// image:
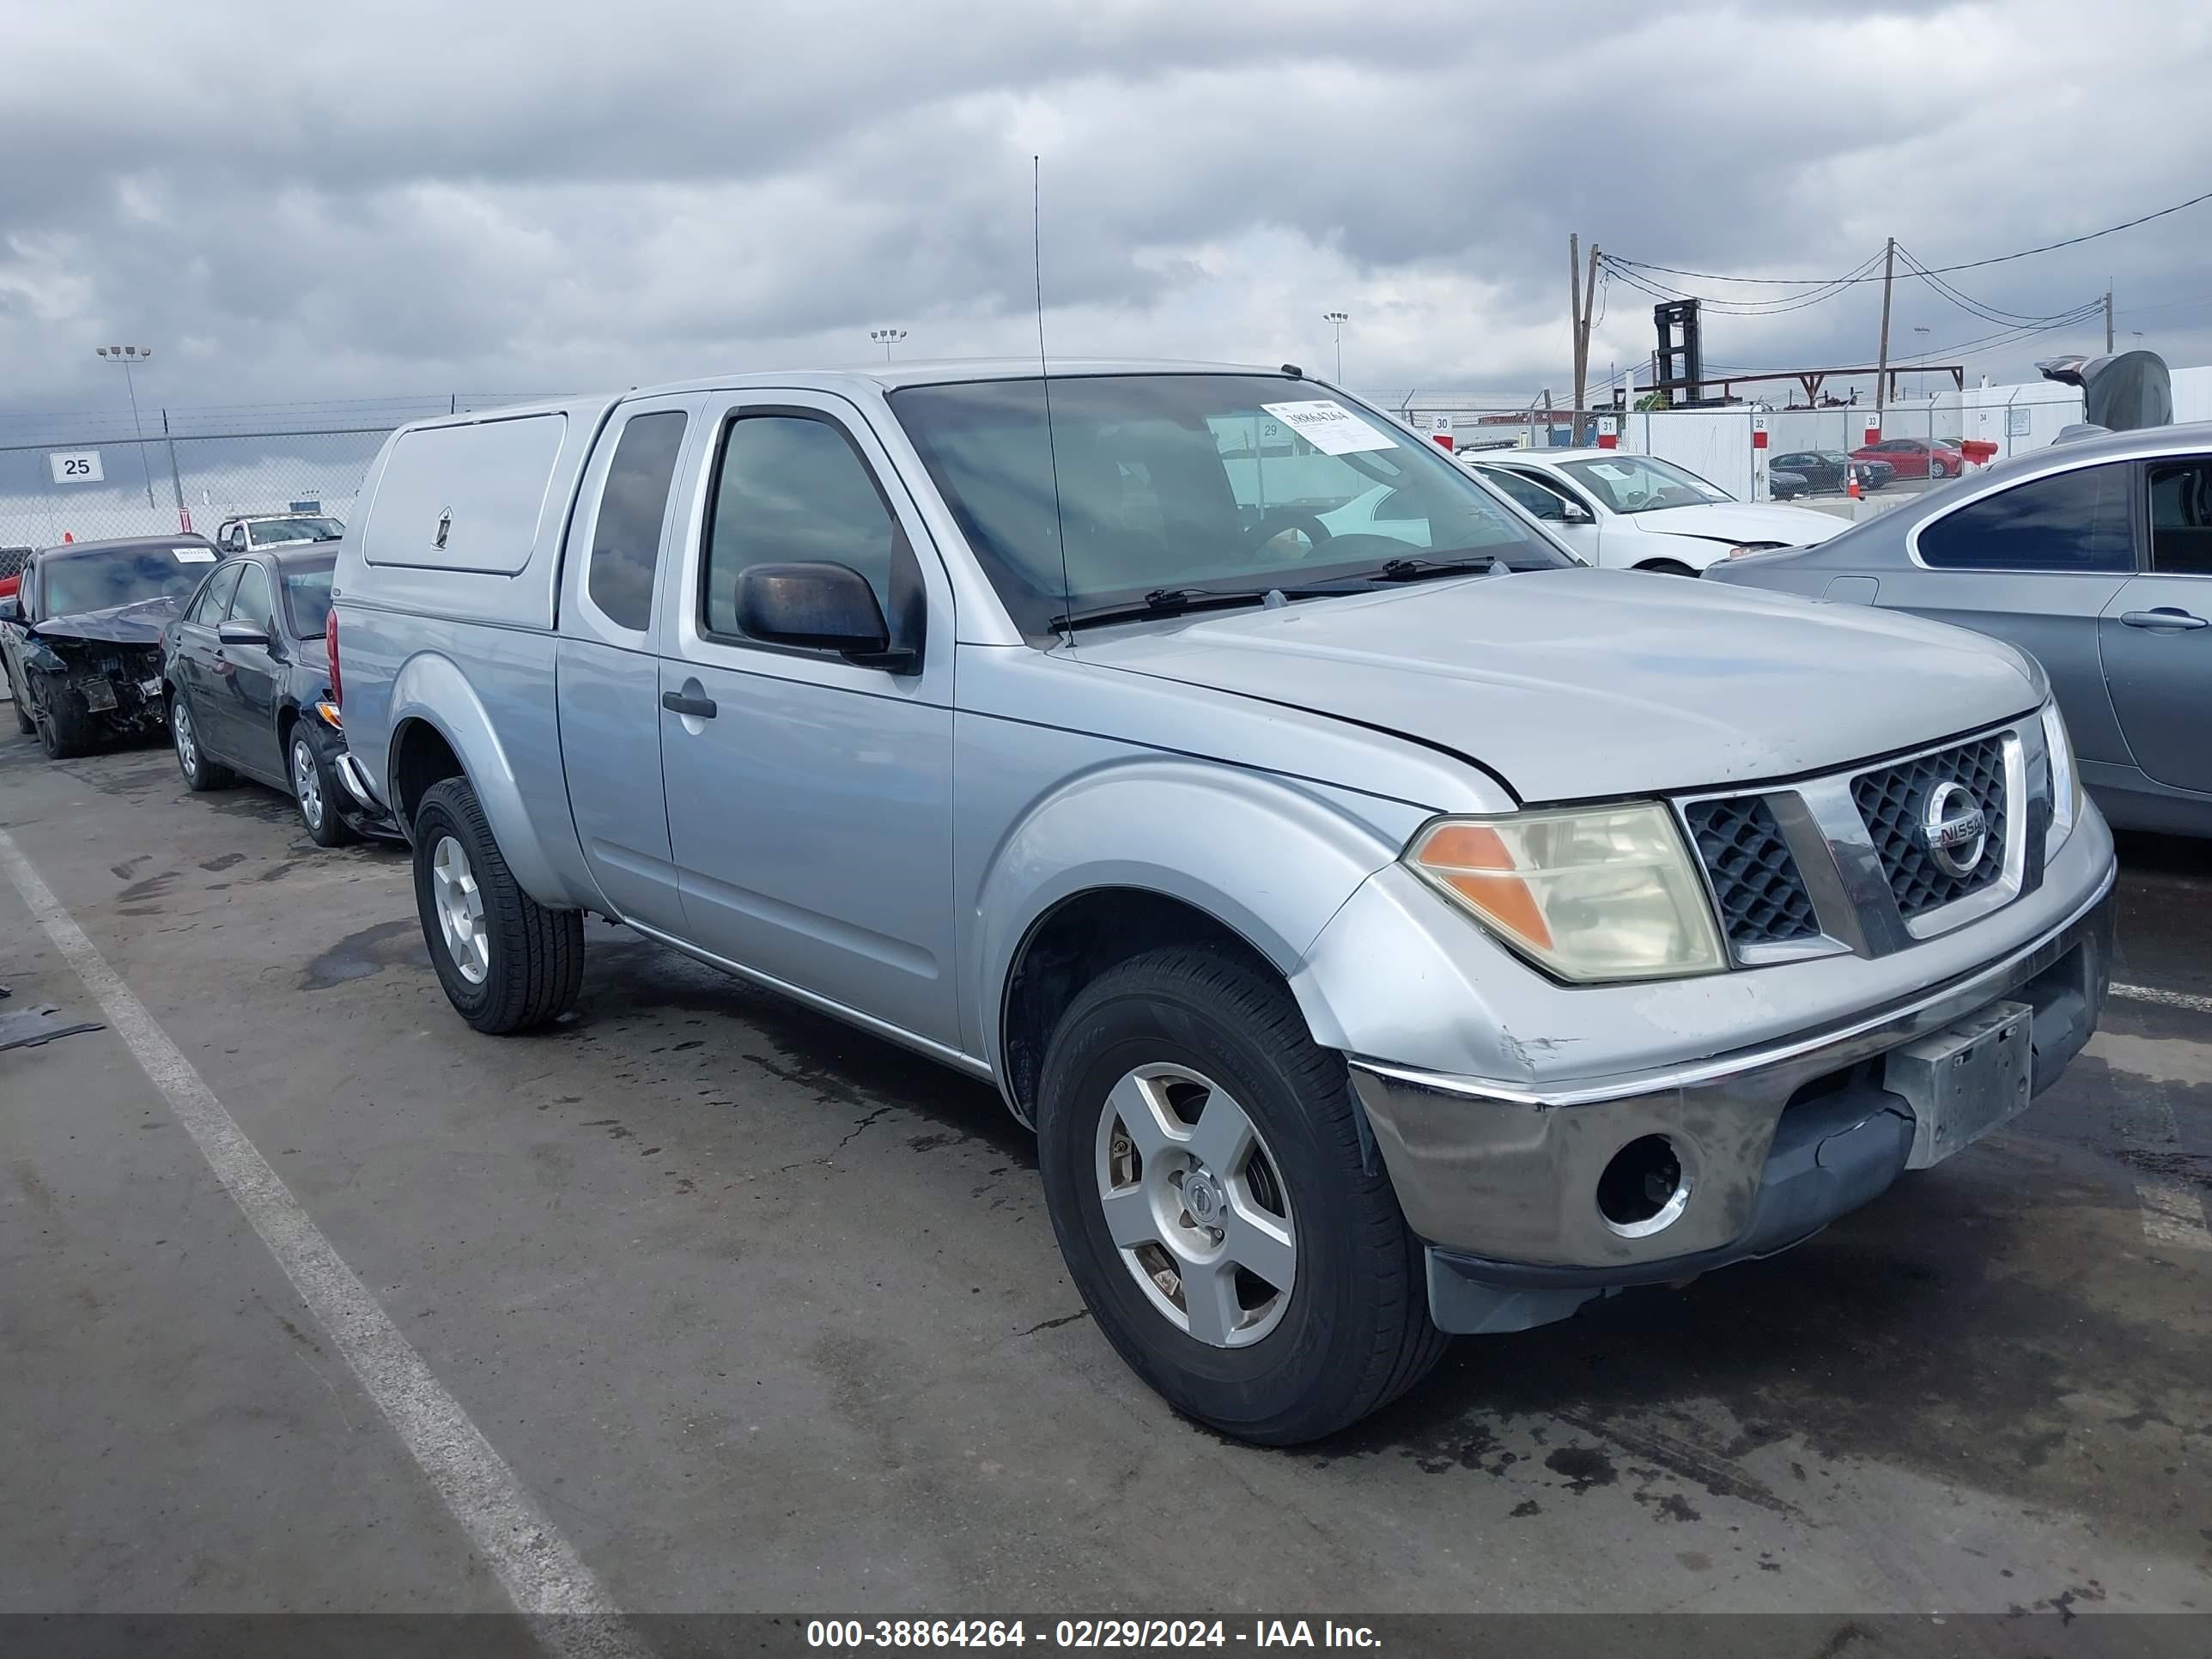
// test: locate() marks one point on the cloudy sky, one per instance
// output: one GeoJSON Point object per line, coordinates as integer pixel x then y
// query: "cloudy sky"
{"type": "Point", "coordinates": [347, 200]}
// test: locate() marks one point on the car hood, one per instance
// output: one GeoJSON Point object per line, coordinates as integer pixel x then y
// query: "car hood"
{"type": "Point", "coordinates": [1574, 683]}
{"type": "Point", "coordinates": [1742, 521]}
{"type": "Point", "coordinates": [140, 623]}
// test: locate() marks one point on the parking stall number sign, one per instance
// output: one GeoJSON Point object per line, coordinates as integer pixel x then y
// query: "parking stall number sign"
{"type": "Point", "coordinates": [75, 466]}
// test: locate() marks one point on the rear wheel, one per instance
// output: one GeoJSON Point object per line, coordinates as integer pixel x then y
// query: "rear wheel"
{"type": "Point", "coordinates": [201, 773]}
{"type": "Point", "coordinates": [314, 788]}
{"type": "Point", "coordinates": [1204, 1172]}
{"type": "Point", "coordinates": [507, 962]}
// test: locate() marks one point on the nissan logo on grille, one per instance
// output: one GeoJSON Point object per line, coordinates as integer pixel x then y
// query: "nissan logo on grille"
{"type": "Point", "coordinates": [1954, 828]}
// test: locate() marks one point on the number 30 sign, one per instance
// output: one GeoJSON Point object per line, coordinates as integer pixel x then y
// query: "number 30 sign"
{"type": "Point", "coordinates": [76, 466]}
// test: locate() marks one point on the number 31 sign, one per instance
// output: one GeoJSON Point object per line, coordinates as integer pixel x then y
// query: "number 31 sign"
{"type": "Point", "coordinates": [76, 466]}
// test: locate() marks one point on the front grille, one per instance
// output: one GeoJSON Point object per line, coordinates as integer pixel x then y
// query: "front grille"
{"type": "Point", "coordinates": [1893, 801]}
{"type": "Point", "coordinates": [1756, 882]}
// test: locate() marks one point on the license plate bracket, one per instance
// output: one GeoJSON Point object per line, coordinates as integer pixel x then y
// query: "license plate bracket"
{"type": "Point", "coordinates": [1966, 1079]}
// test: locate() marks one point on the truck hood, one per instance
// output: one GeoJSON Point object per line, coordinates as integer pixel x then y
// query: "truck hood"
{"type": "Point", "coordinates": [140, 623]}
{"type": "Point", "coordinates": [1574, 683]}
{"type": "Point", "coordinates": [1742, 521]}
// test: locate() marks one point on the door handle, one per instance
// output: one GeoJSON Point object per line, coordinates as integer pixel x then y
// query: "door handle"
{"type": "Point", "coordinates": [2163, 617]}
{"type": "Point", "coordinates": [698, 708]}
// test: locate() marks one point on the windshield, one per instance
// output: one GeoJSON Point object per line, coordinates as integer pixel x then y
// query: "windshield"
{"type": "Point", "coordinates": [1642, 484]}
{"type": "Point", "coordinates": [97, 581]}
{"type": "Point", "coordinates": [270, 532]}
{"type": "Point", "coordinates": [1228, 482]}
{"type": "Point", "coordinates": [307, 594]}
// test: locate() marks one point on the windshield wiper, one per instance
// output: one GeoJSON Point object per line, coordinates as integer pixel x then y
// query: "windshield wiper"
{"type": "Point", "coordinates": [1163, 602]}
{"type": "Point", "coordinates": [1413, 570]}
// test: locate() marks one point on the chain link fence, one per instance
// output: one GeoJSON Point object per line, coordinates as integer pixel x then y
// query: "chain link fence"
{"type": "Point", "coordinates": [77, 478]}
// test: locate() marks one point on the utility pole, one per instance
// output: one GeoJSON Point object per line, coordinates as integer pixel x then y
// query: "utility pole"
{"type": "Point", "coordinates": [2108, 316]}
{"type": "Point", "coordinates": [176, 479]}
{"type": "Point", "coordinates": [1582, 296]}
{"type": "Point", "coordinates": [1881, 369]}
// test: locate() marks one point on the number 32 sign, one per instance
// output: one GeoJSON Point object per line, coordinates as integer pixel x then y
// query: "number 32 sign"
{"type": "Point", "coordinates": [75, 466]}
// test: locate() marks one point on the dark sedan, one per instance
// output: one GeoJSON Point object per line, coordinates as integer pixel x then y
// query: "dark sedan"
{"type": "Point", "coordinates": [1823, 470]}
{"type": "Point", "coordinates": [248, 677]}
{"type": "Point", "coordinates": [80, 639]}
{"type": "Point", "coordinates": [1915, 458]}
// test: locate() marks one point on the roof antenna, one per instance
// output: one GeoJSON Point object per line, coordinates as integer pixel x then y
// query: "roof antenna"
{"type": "Point", "coordinates": [1044, 373]}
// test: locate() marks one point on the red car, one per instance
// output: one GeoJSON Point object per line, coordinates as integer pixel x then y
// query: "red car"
{"type": "Point", "coordinates": [1914, 457]}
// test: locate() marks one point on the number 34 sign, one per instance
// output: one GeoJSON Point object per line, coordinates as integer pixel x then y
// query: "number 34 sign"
{"type": "Point", "coordinates": [75, 466]}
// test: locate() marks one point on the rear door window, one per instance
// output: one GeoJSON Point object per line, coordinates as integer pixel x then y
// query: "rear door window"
{"type": "Point", "coordinates": [626, 541]}
{"type": "Point", "coordinates": [2181, 517]}
{"type": "Point", "coordinates": [2075, 521]}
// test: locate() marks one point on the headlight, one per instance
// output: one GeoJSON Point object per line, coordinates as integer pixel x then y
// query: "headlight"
{"type": "Point", "coordinates": [1590, 893]}
{"type": "Point", "coordinates": [2066, 774]}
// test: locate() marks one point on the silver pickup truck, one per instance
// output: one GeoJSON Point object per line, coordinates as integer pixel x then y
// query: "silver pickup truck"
{"type": "Point", "coordinates": [1390, 926]}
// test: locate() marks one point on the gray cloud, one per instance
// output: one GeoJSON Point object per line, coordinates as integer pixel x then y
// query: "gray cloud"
{"type": "Point", "coordinates": [298, 204]}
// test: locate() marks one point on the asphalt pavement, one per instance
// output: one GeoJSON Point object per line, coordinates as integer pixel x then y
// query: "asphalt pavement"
{"type": "Point", "coordinates": [747, 1311]}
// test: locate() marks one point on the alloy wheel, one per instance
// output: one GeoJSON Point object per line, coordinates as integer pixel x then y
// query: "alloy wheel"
{"type": "Point", "coordinates": [1195, 1205]}
{"type": "Point", "coordinates": [307, 783]}
{"type": "Point", "coordinates": [459, 904]}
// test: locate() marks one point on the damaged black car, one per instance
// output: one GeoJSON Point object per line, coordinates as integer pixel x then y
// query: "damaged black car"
{"type": "Point", "coordinates": [81, 640]}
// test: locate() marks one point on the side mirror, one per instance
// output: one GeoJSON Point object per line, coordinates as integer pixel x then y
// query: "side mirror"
{"type": "Point", "coordinates": [1574, 513]}
{"type": "Point", "coordinates": [11, 609]}
{"type": "Point", "coordinates": [242, 633]}
{"type": "Point", "coordinates": [823, 606]}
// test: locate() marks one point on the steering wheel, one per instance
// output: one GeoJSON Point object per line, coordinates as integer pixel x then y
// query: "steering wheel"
{"type": "Point", "coordinates": [1277, 520]}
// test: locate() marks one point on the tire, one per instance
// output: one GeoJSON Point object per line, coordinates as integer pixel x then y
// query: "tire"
{"type": "Point", "coordinates": [21, 702]}
{"type": "Point", "coordinates": [66, 729]}
{"type": "Point", "coordinates": [1351, 1332]}
{"type": "Point", "coordinates": [201, 773]}
{"type": "Point", "coordinates": [315, 786]}
{"type": "Point", "coordinates": [517, 964]}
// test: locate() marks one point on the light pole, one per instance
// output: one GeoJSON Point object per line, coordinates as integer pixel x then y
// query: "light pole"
{"type": "Point", "coordinates": [887, 337]}
{"type": "Point", "coordinates": [1337, 320]}
{"type": "Point", "coordinates": [128, 355]}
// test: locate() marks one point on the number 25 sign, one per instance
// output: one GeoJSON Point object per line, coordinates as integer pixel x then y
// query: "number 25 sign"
{"type": "Point", "coordinates": [75, 466]}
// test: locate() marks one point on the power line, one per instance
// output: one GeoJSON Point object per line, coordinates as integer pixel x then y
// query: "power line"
{"type": "Point", "coordinates": [1964, 264]}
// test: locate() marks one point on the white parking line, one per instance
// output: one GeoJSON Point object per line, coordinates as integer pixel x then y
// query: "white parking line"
{"type": "Point", "coordinates": [2170, 999]}
{"type": "Point", "coordinates": [540, 1570]}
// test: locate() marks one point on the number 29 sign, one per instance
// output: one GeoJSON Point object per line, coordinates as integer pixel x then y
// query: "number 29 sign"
{"type": "Point", "coordinates": [75, 466]}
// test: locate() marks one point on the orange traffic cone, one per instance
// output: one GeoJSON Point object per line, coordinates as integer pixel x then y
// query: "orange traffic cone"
{"type": "Point", "coordinates": [1851, 488]}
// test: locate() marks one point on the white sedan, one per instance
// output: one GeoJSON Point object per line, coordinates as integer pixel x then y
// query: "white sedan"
{"type": "Point", "coordinates": [1638, 512]}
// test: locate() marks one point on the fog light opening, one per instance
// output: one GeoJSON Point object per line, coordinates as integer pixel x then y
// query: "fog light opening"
{"type": "Point", "coordinates": [1643, 1189]}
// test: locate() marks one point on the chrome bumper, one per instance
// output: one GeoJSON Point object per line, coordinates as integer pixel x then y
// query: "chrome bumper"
{"type": "Point", "coordinates": [1504, 1180]}
{"type": "Point", "coordinates": [356, 783]}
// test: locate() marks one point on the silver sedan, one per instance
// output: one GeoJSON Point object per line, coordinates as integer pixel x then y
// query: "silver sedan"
{"type": "Point", "coordinates": [2096, 556]}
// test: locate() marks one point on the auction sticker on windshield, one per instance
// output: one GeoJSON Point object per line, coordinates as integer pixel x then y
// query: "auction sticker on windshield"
{"type": "Point", "coordinates": [1329, 427]}
{"type": "Point", "coordinates": [193, 556]}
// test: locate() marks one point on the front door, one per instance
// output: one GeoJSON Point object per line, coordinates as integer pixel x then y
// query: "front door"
{"type": "Point", "coordinates": [192, 665]}
{"type": "Point", "coordinates": [810, 798]}
{"type": "Point", "coordinates": [607, 685]}
{"type": "Point", "coordinates": [245, 676]}
{"type": "Point", "coordinates": [2157, 631]}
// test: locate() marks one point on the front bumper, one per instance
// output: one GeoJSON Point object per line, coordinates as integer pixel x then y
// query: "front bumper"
{"type": "Point", "coordinates": [1774, 1142]}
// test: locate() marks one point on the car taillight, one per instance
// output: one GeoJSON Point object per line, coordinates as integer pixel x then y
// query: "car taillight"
{"type": "Point", "coordinates": [331, 641]}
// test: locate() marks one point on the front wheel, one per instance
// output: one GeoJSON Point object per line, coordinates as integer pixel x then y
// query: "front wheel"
{"type": "Point", "coordinates": [201, 773]}
{"type": "Point", "coordinates": [1204, 1172]}
{"type": "Point", "coordinates": [314, 790]}
{"type": "Point", "coordinates": [507, 962]}
{"type": "Point", "coordinates": [64, 721]}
